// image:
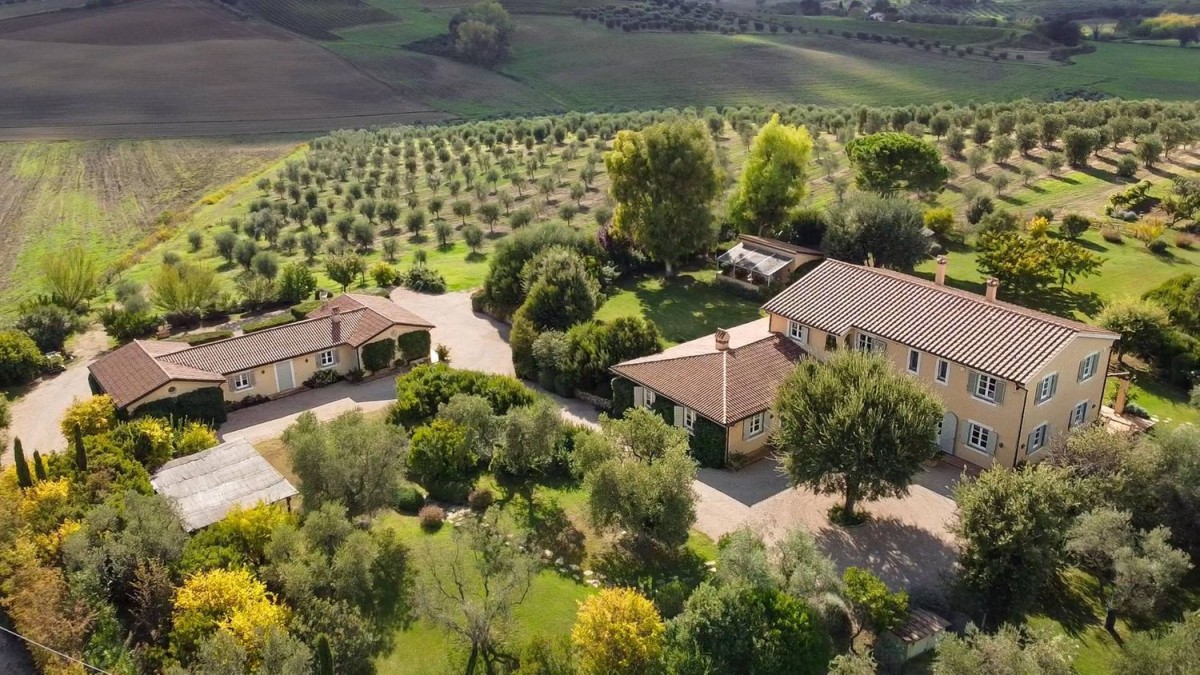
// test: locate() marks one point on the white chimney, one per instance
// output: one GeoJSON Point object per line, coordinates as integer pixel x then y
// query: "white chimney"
{"type": "Point", "coordinates": [940, 277]}
{"type": "Point", "coordinates": [722, 339]}
{"type": "Point", "coordinates": [993, 285]}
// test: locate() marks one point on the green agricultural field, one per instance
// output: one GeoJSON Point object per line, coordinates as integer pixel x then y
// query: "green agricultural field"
{"type": "Point", "coordinates": [109, 196]}
{"type": "Point", "coordinates": [605, 69]}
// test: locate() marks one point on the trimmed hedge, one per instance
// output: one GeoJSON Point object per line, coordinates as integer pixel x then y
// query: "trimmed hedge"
{"type": "Point", "coordinates": [197, 339]}
{"type": "Point", "coordinates": [272, 322]}
{"type": "Point", "coordinates": [301, 310]}
{"type": "Point", "coordinates": [414, 345]}
{"type": "Point", "coordinates": [205, 405]}
{"type": "Point", "coordinates": [378, 355]}
{"type": "Point", "coordinates": [422, 390]}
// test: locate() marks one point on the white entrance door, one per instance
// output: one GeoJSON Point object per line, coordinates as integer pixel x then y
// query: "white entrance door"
{"type": "Point", "coordinates": [284, 378]}
{"type": "Point", "coordinates": [947, 428]}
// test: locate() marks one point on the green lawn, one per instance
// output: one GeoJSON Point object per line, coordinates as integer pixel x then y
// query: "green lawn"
{"type": "Point", "coordinates": [684, 308]}
{"type": "Point", "coordinates": [1074, 609]}
{"type": "Point", "coordinates": [549, 608]}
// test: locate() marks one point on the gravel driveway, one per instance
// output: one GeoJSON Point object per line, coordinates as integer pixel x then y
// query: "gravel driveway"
{"type": "Point", "coordinates": [35, 417]}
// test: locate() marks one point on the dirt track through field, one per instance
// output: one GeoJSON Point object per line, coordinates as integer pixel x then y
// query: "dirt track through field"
{"type": "Point", "coordinates": [180, 67]}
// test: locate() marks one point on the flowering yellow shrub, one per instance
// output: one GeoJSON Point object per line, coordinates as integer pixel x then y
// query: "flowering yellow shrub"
{"type": "Point", "coordinates": [1038, 227]}
{"type": "Point", "coordinates": [193, 438]}
{"type": "Point", "coordinates": [221, 599]}
{"type": "Point", "coordinates": [44, 505]}
{"type": "Point", "coordinates": [1149, 229]}
{"type": "Point", "coordinates": [252, 527]}
{"type": "Point", "coordinates": [49, 545]}
{"type": "Point", "coordinates": [95, 415]}
{"type": "Point", "coordinates": [617, 631]}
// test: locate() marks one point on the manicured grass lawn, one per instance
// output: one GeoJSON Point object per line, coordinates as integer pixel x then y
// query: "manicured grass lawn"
{"type": "Point", "coordinates": [684, 308]}
{"type": "Point", "coordinates": [1161, 399]}
{"type": "Point", "coordinates": [1074, 609]}
{"type": "Point", "coordinates": [1129, 269]}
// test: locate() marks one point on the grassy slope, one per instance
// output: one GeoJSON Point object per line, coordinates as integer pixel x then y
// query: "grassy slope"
{"type": "Point", "coordinates": [610, 69]}
{"type": "Point", "coordinates": [105, 195]}
{"type": "Point", "coordinates": [686, 307]}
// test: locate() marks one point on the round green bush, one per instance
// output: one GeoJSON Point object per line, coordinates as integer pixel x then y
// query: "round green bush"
{"type": "Point", "coordinates": [408, 499]}
{"type": "Point", "coordinates": [20, 360]}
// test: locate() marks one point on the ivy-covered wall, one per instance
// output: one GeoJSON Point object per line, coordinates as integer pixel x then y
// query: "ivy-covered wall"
{"type": "Point", "coordinates": [202, 405]}
{"type": "Point", "coordinates": [707, 443]}
{"type": "Point", "coordinates": [622, 397]}
{"type": "Point", "coordinates": [414, 345]}
{"type": "Point", "coordinates": [378, 355]}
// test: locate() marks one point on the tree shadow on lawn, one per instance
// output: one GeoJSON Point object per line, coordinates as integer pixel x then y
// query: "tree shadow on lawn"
{"type": "Point", "coordinates": [901, 554]}
{"type": "Point", "coordinates": [1062, 302]}
{"type": "Point", "coordinates": [1072, 600]}
{"type": "Point", "coordinates": [684, 308]}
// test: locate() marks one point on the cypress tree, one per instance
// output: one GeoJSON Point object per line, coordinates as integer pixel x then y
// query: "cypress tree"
{"type": "Point", "coordinates": [39, 467]}
{"type": "Point", "coordinates": [324, 658]}
{"type": "Point", "coordinates": [23, 478]}
{"type": "Point", "coordinates": [80, 451]}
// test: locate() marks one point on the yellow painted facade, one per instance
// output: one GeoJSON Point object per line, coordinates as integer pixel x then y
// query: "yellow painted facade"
{"type": "Point", "coordinates": [1010, 420]}
{"type": "Point", "coordinates": [272, 379]}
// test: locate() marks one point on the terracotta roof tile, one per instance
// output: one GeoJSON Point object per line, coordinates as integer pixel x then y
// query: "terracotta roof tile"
{"type": "Point", "coordinates": [724, 386]}
{"type": "Point", "coordinates": [1000, 338]}
{"type": "Point", "coordinates": [131, 372]}
{"type": "Point", "coordinates": [138, 368]}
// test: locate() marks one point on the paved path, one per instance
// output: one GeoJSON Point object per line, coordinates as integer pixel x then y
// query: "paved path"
{"type": "Point", "coordinates": [36, 416]}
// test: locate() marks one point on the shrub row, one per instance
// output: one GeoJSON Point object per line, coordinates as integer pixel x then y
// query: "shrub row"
{"type": "Point", "coordinates": [421, 391]}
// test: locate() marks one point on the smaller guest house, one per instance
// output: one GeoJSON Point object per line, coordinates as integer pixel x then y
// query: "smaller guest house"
{"type": "Point", "coordinates": [756, 262]}
{"type": "Point", "coordinates": [266, 363]}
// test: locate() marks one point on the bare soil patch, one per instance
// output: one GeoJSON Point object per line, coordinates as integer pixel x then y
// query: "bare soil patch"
{"type": "Point", "coordinates": [180, 67]}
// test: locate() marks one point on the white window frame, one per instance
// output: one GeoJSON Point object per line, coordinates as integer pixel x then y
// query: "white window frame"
{"type": "Point", "coordinates": [756, 425]}
{"type": "Point", "coordinates": [689, 419]}
{"type": "Point", "coordinates": [941, 374]}
{"type": "Point", "coordinates": [649, 398]}
{"type": "Point", "coordinates": [797, 331]}
{"type": "Point", "coordinates": [1042, 433]}
{"type": "Point", "coordinates": [986, 387]}
{"type": "Point", "coordinates": [1045, 389]}
{"type": "Point", "coordinates": [985, 433]}
{"type": "Point", "coordinates": [869, 343]}
{"type": "Point", "coordinates": [242, 381]}
{"type": "Point", "coordinates": [1091, 364]}
{"type": "Point", "coordinates": [321, 363]}
{"type": "Point", "coordinates": [1078, 411]}
{"type": "Point", "coordinates": [911, 368]}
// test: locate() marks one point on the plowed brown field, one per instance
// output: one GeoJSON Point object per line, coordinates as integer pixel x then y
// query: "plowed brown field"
{"type": "Point", "coordinates": [179, 67]}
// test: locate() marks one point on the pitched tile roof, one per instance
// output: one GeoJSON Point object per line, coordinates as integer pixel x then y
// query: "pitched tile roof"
{"type": "Point", "coordinates": [995, 337]}
{"type": "Point", "coordinates": [384, 307]}
{"type": "Point", "coordinates": [140, 367]}
{"type": "Point", "coordinates": [206, 485]}
{"type": "Point", "coordinates": [132, 371]}
{"type": "Point", "coordinates": [723, 386]}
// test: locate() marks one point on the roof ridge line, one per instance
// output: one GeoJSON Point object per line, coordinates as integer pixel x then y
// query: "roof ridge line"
{"type": "Point", "coordinates": [290, 324]}
{"type": "Point", "coordinates": [1009, 307]}
{"type": "Point", "coordinates": [725, 387]}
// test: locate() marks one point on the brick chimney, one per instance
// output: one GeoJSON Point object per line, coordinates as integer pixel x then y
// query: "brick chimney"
{"type": "Point", "coordinates": [335, 324]}
{"type": "Point", "coordinates": [993, 285]}
{"type": "Point", "coordinates": [722, 336]}
{"type": "Point", "coordinates": [940, 277]}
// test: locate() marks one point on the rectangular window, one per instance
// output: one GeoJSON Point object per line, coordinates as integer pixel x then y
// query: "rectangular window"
{"type": "Point", "coordinates": [1087, 367]}
{"type": "Point", "coordinates": [986, 387]}
{"type": "Point", "coordinates": [1046, 388]}
{"type": "Point", "coordinates": [689, 419]}
{"type": "Point", "coordinates": [866, 343]}
{"type": "Point", "coordinates": [980, 437]}
{"type": "Point", "coordinates": [1037, 439]}
{"type": "Point", "coordinates": [755, 425]}
{"type": "Point", "coordinates": [1078, 414]}
{"type": "Point", "coordinates": [798, 332]}
{"type": "Point", "coordinates": [241, 381]}
{"type": "Point", "coordinates": [649, 399]}
{"type": "Point", "coordinates": [914, 361]}
{"type": "Point", "coordinates": [943, 371]}
{"type": "Point", "coordinates": [326, 359]}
